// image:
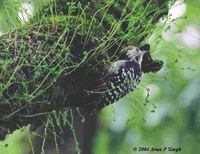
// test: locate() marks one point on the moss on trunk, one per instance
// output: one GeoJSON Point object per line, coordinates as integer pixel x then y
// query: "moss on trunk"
{"type": "Point", "coordinates": [51, 63]}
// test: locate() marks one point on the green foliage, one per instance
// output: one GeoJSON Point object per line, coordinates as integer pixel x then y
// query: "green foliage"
{"type": "Point", "coordinates": [174, 95]}
{"type": "Point", "coordinates": [8, 14]}
{"type": "Point", "coordinates": [18, 142]}
{"type": "Point", "coordinates": [36, 57]}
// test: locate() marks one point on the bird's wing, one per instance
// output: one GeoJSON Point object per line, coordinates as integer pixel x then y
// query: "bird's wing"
{"type": "Point", "coordinates": [122, 70]}
{"type": "Point", "coordinates": [117, 82]}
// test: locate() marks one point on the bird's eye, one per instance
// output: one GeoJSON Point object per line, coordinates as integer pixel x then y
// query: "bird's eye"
{"type": "Point", "coordinates": [137, 58]}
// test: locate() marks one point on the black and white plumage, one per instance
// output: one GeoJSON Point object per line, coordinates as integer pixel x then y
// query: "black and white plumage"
{"type": "Point", "coordinates": [122, 77]}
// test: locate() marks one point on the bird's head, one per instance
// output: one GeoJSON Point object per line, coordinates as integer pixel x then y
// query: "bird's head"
{"type": "Point", "coordinates": [136, 54]}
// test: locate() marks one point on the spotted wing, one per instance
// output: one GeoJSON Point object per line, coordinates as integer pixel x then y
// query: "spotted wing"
{"type": "Point", "coordinates": [122, 78]}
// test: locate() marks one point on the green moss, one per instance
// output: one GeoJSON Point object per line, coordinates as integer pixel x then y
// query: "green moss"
{"type": "Point", "coordinates": [51, 63]}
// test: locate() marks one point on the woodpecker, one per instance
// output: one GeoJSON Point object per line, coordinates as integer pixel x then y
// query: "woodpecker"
{"type": "Point", "coordinates": [122, 77]}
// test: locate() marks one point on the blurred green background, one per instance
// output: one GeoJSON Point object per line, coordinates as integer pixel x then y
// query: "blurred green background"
{"type": "Point", "coordinates": [165, 109]}
{"type": "Point", "coordinates": [172, 116]}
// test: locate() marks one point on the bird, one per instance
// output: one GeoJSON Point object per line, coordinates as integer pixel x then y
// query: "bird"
{"type": "Point", "coordinates": [121, 77]}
